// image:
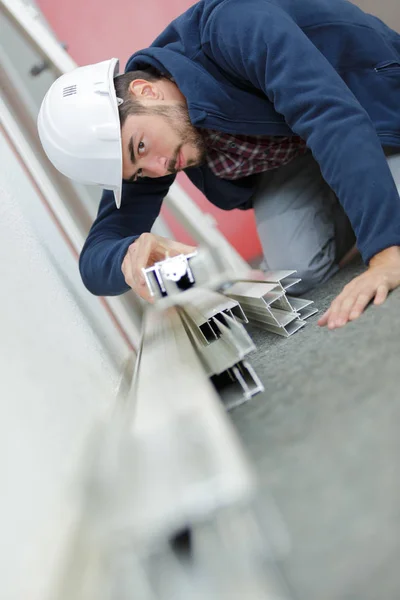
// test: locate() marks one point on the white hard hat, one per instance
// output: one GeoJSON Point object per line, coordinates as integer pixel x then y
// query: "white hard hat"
{"type": "Point", "coordinates": [79, 126]}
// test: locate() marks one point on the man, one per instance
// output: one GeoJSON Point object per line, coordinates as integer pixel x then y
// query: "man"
{"type": "Point", "coordinates": [285, 106]}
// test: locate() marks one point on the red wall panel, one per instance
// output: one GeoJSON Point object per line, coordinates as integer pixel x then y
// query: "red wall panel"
{"type": "Point", "coordinates": [96, 30]}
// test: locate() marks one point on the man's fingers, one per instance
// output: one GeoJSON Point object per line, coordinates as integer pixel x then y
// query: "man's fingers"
{"type": "Point", "coordinates": [337, 309]}
{"type": "Point", "coordinates": [139, 286]}
{"type": "Point", "coordinates": [350, 307]}
{"type": "Point", "coordinates": [375, 284]}
{"type": "Point", "coordinates": [140, 254]}
{"type": "Point", "coordinates": [137, 256]}
{"type": "Point", "coordinates": [381, 294]}
{"type": "Point", "coordinates": [173, 248]}
{"type": "Point", "coordinates": [341, 312]}
{"type": "Point", "coordinates": [359, 306]}
{"type": "Point", "coordinates": [322, 321]}
{"type": "Point", "coordinates": [337, 318]}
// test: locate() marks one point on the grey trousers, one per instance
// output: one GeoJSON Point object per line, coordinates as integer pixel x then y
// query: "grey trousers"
{"type": "Point", "coordinates": [301, 224]}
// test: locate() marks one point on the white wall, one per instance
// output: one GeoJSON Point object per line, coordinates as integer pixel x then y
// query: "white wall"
{"type": "Point", "coordinates": [60, 363]}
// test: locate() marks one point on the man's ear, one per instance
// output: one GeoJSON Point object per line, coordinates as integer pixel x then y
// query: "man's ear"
{"type": "Point", "coordinates": [143, 89]}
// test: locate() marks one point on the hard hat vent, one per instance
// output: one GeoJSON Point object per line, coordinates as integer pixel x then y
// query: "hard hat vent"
{"type": "Point", "coordinates": [69, 91]}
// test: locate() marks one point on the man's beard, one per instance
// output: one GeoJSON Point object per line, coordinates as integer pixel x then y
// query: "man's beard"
{"type": "Point", "coordinates": [178, 118]}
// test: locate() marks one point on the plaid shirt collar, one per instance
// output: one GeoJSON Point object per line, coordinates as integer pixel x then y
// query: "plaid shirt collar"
{"type": "Point", "coordinates": [236, 156]}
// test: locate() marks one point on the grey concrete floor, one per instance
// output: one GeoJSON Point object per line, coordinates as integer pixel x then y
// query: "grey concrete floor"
{"type": "Point", "coordinates": [324, 438]}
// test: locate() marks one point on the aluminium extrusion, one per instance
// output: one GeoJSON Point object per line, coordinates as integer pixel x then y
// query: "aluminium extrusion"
{"type": "Point", "coordinates": [207, 331]}
{"type": "Point", "coordinates": [204, 306]}
{"type": "Point", "coordinates": [230, 346]}
{"type": "Point", "coordinates": [206, 303]}
{"type": "Point", "coordinates": [234, 377]}
{"type": "Point", "coordinates": [202, 326]}
{"type": "Point", "coordinates": [222, 556]}
{"type": "Point", "coordinates": [210, 303]}
{"type": "Point", "coordinates": [305, 308]}
{"type": "Point", "coordinates": [284, 278]}
{"type": "Point", "coordinates": [181, 434]}
{"type": "Point", "coordinates": [168, 507]}
{"type": "Point", "coordinates": [307, 312]}
{"type": "Point", "coordinates": [276, 317]}
{"type": "Point", "coordinates": [236, 330]}
{"type": "Point", "coordinates": [285, 331]}
{"type": "Point", "coordinates": [218, 356]}
{"type": "Point", "coordinates": [262, 299]}
{"type": "Point", "coordinates": [250, 290]}
{"type": "Point", "coordinates": [267, 306]}
{"type": "Point", "coordinates": [238, 384]}
{"type": "Point", "coordinates": [187, 467]}
{"type": "Point", "coordinates": [280, 301]}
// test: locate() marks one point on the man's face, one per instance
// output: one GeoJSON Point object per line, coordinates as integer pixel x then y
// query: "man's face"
{"type": "Point", "coordinates": [154, 145]}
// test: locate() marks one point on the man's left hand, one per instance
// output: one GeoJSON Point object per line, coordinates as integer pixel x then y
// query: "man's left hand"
{"type": "Point", "coordinates": [382, 276]}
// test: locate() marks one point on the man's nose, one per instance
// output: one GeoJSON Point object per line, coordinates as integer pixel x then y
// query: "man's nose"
{"type": "Point", "coordinates": [156, 166]}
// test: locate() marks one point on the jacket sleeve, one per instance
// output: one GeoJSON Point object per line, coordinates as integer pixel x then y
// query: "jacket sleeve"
{"type": "Point", "coordinates": [115, 229]}
{"type": "Point", "coordinates": [260, 43]}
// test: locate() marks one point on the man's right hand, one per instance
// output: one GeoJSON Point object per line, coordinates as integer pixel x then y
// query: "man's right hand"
{"type": "Point", "coordinates": [144, 252]}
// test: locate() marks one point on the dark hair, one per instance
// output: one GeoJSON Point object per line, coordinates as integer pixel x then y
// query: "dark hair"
{"type": "Point", "coordinates": [130, 105]}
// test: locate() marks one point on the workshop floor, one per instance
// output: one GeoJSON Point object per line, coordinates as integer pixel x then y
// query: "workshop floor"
{"type": "Point", "coordinates": [325, 440]}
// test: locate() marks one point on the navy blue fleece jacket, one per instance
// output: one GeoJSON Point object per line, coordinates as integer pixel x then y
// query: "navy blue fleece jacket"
{"type": "Point", "coordinates": [320, 69]}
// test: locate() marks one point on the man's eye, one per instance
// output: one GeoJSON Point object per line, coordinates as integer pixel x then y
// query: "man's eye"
{"type": "Point", "coordinates": [140, 147]}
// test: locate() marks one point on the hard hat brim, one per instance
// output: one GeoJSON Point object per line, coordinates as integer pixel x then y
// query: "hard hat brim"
{"type": "Point", "coordinates": [112, 73]}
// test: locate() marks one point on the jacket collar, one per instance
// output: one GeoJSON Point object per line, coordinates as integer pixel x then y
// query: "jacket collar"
{"type": "Point", "coordinates": [197, 85]}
